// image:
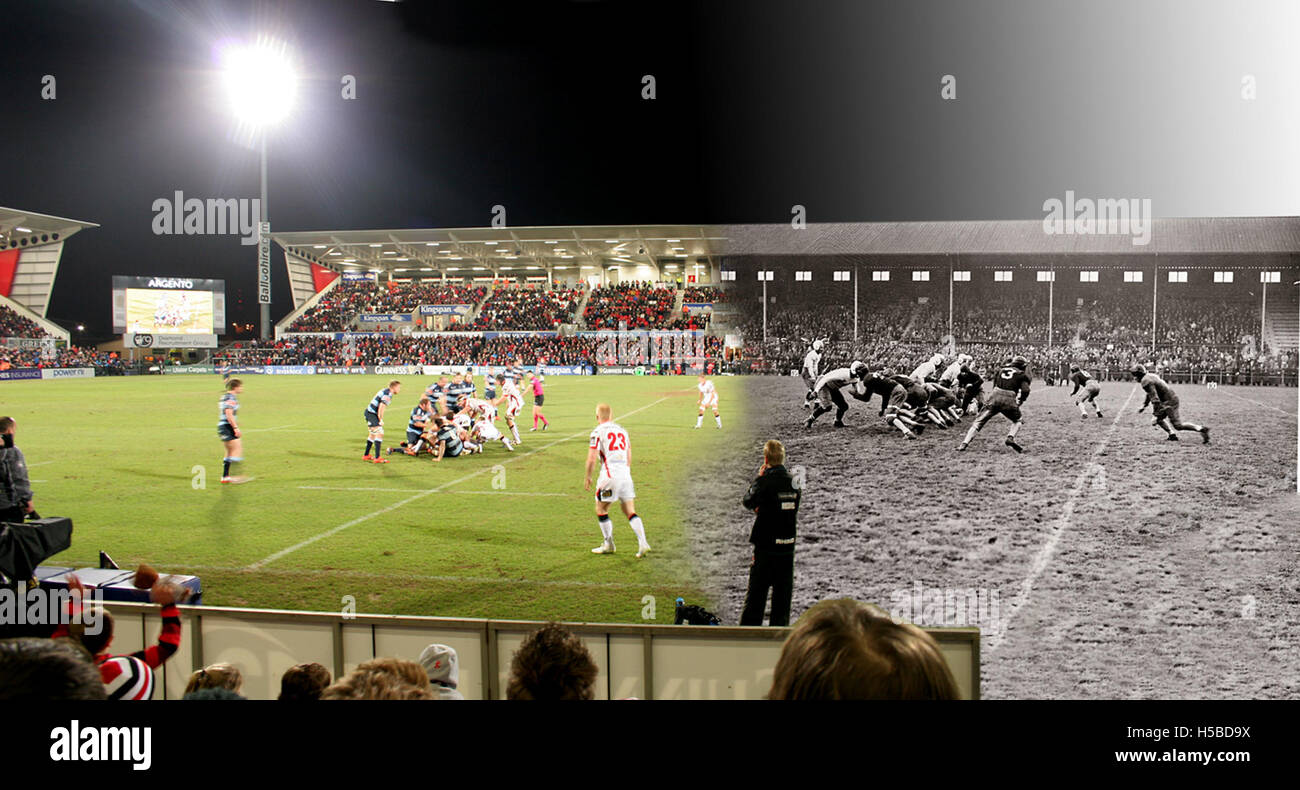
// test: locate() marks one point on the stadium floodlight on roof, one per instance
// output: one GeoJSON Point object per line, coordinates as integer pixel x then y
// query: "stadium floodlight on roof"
{"type": "Point", "coordinates": [259, 80]}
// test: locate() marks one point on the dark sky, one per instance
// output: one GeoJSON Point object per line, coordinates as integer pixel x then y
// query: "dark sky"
{"type": "Point", "coordinates": [537, 106]}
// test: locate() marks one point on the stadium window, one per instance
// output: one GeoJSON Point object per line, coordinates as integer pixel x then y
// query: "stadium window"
{"type": "Point", "coordinates": [920, 277]}
{"type": "Point", "coordinates": [1002, 276]}
{"type": "Point", "coordinates": [1046, 277]}
{"type": "Point", "coordinates": [803, 277]}
{"type": "Point", "coordinates": [728, 274]}
{"type": "Point", "coordinates": [1223, 277]}
{"type": "Point", "coordinates": [842, 276]}
{"type": "Point", "coordinates": [880, 276]}
{"type": "Point", "coordinates": [1088, 277]}
{"type": "Point", "coordinates": [961, 277]}
{"type": "Point", "coordinates": [1270, 277]}
{"type": "Point", "coordinates": [1132, 277]}
{"type": "Point", "coordinates": [765, 275]}
{"type": "Point", "coordinates": [1178, 277]}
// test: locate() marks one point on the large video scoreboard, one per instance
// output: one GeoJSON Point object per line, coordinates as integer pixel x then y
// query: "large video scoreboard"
{"type": "Point", "coordinates": [172, 312]}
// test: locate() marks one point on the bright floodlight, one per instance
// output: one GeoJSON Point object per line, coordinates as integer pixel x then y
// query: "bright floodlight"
{"type": "Point", "coordinates": [260, 81]}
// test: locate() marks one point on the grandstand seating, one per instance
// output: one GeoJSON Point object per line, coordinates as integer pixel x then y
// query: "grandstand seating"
{"type": "Point", "coordinates": [704, 295]}
{"type": "Point", "coordinates": [14, 325]}
{"type": "Point", "coordinates": [70, 357]}
{"type": "Point", "coordinates": [1282, 333]}
{"type": "Point", "coordinates": [638, 305]}
{"type": "Point", "coordinates": [440, 350]}
{"type": "Point", "coordinates": [527, 308]}
{"type": "Point", "coordinates": [1193, 333]}
{"type": "Point", "coordinates": [339, 309]}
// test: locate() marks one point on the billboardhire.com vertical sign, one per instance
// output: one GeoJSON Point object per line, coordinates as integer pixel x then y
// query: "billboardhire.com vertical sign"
{"type": "Point", "coordinates": [264, 263]}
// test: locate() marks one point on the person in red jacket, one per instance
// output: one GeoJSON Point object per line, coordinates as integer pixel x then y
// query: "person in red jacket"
{"type": "Point", "coordinates": [129, 676]}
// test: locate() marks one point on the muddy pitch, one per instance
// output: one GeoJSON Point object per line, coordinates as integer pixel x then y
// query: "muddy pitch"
{"type": "Point", "coordinates": [1105, 562]}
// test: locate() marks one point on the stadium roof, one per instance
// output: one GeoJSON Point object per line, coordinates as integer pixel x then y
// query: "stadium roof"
{"type": "Point", "coordinates": [462, 250]}
{"type": "Point", "coordinates": [1248, 235]}
{"type": "Point", "coordinates": [16, 225]}
{"type": "Point", "coordinates": [518, 250]}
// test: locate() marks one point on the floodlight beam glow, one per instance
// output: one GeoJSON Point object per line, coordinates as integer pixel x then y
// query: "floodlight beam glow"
{"type": "Point", "coordinates": [260, 81]}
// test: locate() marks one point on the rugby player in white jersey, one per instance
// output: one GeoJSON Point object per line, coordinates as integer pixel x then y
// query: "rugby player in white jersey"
{"type": "Point", "coordinates": [927, 370]}
{"type": "Point", "coordinates": [479, 408]}
{"type": "Point", "coordinates": [610, 449]}
{"type": "Point", "coordinates": [514, 403]}
{"type": "Point", "coordinates": [950, 373]}
{"type": "Point", "coordinates": [811, 371]}
{"type": "Point", "coordinates": [708, 399]}
{"type": "Point", "coordinates": [483, 431]}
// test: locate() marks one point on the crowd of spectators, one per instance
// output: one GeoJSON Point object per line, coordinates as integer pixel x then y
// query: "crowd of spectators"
{"type": "Point", "coordinates": [631, 305]}
{"type": "Point", "coordinates": [687, 320]}
{"type": "Point", "coordinates": [14, 325]}
{"type": "Point", "coordinates": [704, 295]}
{"type": "Point", "coordinates": [104, 362]}
{"type": "Point", "coordinates": [1196, 335]}
{"type": "Point", "coordinates": [446, 350]}
{"type": "Point", "coordinates": [336, 311]}
{"type": "Point", "coordinates": [639, 305]}
{"type": "Point", "coordinates": [838, 649]}
{"type": "Point", "coordinates": [515, 308]}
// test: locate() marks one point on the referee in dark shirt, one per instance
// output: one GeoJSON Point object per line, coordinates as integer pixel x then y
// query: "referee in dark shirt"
{"type": "Point", "coordinates": [774, 497]}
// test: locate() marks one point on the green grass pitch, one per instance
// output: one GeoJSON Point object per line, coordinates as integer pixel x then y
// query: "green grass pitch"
{"type": "Point", "coordinates": [136, 463]}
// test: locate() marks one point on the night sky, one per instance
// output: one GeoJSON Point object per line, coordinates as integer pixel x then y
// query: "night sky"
{"type": "Point", "coordinates": [760, 105]}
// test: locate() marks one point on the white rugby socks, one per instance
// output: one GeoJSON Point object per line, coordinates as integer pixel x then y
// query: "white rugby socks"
{"type": "Point", "coordinates": [638, 528]}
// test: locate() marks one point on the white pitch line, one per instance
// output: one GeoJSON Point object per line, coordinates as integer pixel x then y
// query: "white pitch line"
{"type": "Point", "coordinates": [419, 490]}
{"type": "Point", "coordinates": [1044, 556]}
{"type": "Point", "coordinates": [276, 428]}
{"type": "Point", "coordinates": [1260, 403]}
{"type": "Point", "coordinates": [415, 497]}
{"type": "Point", "coordinates": [39, 463]}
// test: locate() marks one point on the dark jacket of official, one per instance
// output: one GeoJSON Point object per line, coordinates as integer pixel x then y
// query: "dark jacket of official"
{"type": "Point", "coordinates": [15, 487]}
{"type": "Point", "coordinates": [776, 498]}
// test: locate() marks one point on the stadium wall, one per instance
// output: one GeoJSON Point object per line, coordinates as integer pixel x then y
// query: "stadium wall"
{"type": "Point", "coordinates": [18, 374]}
{"type": "Point", "coordinates": [642, 661]}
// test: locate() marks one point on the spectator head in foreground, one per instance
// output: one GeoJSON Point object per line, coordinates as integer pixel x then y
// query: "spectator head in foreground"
{"type": "Point", "coordinates": [213, 693]}
{"type": "Point", "coordinates": [47, 669]}
{"type": "Point", "coordinates": [443, 668]}
{"type": "Point", "coordinates": [552, 663]}
{"type": "Point", "coordinates": [216, 676]}
{"type": "Point", "coordinates": [843, 649]}
{"type": "Point", "coordinates": [382, 678]}
{"type": "Point", "coordinates": [304, 682]}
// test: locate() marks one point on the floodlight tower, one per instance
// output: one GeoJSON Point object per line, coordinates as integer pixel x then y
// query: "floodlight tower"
{"type": "Point", "coordinates": [261, 83]}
